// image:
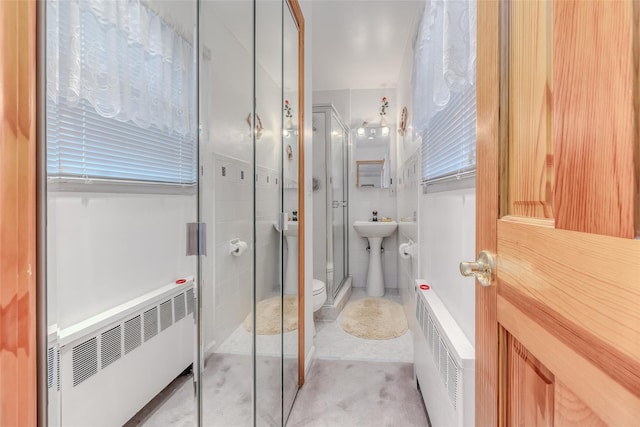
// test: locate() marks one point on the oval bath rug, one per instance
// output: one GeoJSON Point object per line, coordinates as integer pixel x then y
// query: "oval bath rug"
{"type": "Point", "coordinates": [374, 319]}
{"type": "Point", "coordinates": [268, 317]}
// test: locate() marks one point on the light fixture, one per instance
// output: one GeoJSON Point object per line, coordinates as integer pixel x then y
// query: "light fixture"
{"type": "Point", "coordinates": [360, 131]}
{"type": "Point", "coordinates": [385, 131]}
{"type": "Point", "coordinates": [285, 133]}
{"type": "Point", "coordinates": [372, 133]}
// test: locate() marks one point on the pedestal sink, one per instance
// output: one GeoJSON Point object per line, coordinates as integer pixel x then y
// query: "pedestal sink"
{"type": "Point", "coordinates": [291, 273]}
{"type": "Point", "coordinates": [375, 231]}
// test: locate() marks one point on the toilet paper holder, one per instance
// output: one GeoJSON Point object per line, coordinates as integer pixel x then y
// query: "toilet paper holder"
{"type": "Point", "coordinates": [407, 250]}
{"type": "Point", "coordinates": [237, 247]}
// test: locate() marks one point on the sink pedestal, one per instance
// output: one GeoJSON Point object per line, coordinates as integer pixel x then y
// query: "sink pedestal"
{"type": "Point", "coordinates": [375, 279]}
{"type": "Point", "coordinates": [291, 273]}
{"type": "Point", "coordinates": [375, 231]}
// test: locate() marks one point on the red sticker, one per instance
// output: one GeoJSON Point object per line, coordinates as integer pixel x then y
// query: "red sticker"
{"type": "Point", "coordinates": [181, 281]}
{"type": "Point", "coordinates": [424, 287]}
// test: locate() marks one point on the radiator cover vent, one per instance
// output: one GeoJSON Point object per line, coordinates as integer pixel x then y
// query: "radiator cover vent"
{"type": "Point", "coordinates": [442, 356]}
{"type": "Point", "coordinates": [110, 346]}
{"type": "Point", "coordinates": [178, 307]}
{"type": "Point", "coordinates": [190, 301]}
{"type": "Point", "coordinates": [150, 323]}
{"type": "Point", "coordinates": [85, 360]}
{"type": "Point", "coordinates": [166, 315]}
{"type": "Point", "coordinates": [50, 366]}
{"type": "Point", "coordinates": [58, 369]}
{"type": "Point", "coordinates": [132, 334]}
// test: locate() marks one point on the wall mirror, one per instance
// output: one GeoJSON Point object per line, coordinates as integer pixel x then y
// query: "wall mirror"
{"type": "Point", "coordinates": [370, 173]}
{"type": "Point", "coordinates": [373, 166]}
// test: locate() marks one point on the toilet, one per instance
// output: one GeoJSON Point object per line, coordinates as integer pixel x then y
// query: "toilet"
{"type": "Point", "coordinates": [319, 294]}
{"type": "Point", "coordinates": [319, 298]}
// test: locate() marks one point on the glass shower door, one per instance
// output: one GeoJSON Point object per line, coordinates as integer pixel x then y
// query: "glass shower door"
{"type": "Point", "coordinates": [338, 203]}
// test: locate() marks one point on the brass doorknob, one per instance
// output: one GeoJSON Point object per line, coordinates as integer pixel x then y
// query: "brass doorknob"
{"type": "Point", "coordinates": [482, 269]}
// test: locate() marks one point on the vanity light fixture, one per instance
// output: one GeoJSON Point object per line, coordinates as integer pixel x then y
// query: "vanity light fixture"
{"type": "Point", "coordinates": [361, 130]}
{"type": "Point", "coordinates": [385, 131]}
{"type": "Point", "coordinates": [372, 133]}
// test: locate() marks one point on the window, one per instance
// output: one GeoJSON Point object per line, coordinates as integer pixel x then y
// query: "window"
{"type": "Point", "coordinates": [444, 89]}
{"type": "Point", "coordinates": [120, 95]}
{"type": "Point", "coordinates": [449, 139]}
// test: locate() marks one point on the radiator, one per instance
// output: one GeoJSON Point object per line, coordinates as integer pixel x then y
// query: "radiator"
{"type": "Point", "coordinates": [444, 361]}
{"type": "Point", "coordinates": [106, 368]}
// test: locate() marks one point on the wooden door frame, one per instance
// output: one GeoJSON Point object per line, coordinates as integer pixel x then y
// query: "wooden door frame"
{"type": "Point", "coordinates": [19, 373]}
{"type": "Point", "coordinates": [488, 93]}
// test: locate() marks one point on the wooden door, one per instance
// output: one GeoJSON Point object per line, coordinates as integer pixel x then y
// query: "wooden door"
{"type": "Point", "coordinates": [17, 214]}
{"type": "Point", "coordinates": [558, 330]}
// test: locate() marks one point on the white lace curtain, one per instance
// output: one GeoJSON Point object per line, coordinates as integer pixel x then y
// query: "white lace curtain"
{"type": "Point", "coordinates": [124, 60]}
{"type": "Point", "coordinates": [445, 56]}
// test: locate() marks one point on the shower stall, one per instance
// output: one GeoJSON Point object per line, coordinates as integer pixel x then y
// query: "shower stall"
{"type": "Point", "coordinates": [330, 200]}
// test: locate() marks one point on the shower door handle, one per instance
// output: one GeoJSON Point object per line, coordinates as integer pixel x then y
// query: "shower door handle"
{"type": "Point", "coordinates": [335, 204]}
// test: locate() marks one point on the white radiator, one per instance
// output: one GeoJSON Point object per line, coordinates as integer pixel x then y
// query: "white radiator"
{"type": "Point", "coordinates": [444, 362]}
{"type": "Point", "coordinates": [109, 366]}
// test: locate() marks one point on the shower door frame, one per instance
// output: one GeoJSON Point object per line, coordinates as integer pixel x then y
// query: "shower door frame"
{"type": "Point", "coordinates": [331, 114]}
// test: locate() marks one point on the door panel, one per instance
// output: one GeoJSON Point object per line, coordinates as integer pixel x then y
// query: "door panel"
{"type": "Point", "coordinates": [530, 164]}
{"type": "Point", "coordinates": [557, 140]}
{"type": "Point", "coordinates": [530, 386]}
{"type": "Point", "coordinates": [571, 411]}
{"type": "Point", "coordinates": [593, 116]}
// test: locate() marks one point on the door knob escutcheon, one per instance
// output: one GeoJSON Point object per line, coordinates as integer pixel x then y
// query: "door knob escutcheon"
{"type": "Point", "coordinates": [482, 269]}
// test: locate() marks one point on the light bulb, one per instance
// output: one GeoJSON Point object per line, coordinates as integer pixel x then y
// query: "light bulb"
{"type": "Point", "coordinates": [360, 131]}
{"type": "Point", "coordinates": [385, 131]}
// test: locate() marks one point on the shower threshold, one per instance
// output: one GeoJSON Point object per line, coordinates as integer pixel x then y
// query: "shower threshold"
{"type": "Point", "coordinates": [329, 312]}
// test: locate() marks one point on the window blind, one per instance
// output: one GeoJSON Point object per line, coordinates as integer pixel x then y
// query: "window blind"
{"type": "Point", "coordinates": [83, 144]}
{"type": "Point", "coordinates": [449, 139]}
{"type": "Point", "coordinates": [120, 106]}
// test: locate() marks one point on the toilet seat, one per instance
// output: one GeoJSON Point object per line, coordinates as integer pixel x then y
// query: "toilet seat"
{"type": "Point", "coordinates": [319, 294]}
{"type": "Point", "coordinates": [318, 287]}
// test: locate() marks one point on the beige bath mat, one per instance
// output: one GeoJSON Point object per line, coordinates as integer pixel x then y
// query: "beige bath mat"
{"type": "Point", "coordinates": [268, 316]}
{"type": "Point", "coordinates": [374, 319]}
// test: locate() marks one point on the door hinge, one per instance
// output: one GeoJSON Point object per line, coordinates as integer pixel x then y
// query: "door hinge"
{"type": "Point", "coordinates": [196, 238]}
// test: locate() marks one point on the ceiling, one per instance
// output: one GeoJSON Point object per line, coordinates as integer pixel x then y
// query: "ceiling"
{"type": "Point", "coordinates": [360, 44]}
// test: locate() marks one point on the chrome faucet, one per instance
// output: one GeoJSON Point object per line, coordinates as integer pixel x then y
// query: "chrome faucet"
{"type": "Point", "coordinates": [375, 216]}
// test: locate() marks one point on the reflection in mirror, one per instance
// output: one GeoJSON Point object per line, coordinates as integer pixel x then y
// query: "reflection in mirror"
{"type": "Point", "coordinates": [290, 147]}
{"type": "Point", "coordinates": [226, 34]}
{"type": "Point", "coordinates": [270, 313]}
{"type": "Point", "coordinates": [121, 131]}
{"type": "Point", "coordinates": [369, 173]}
{"type": "Point", "coordinates": [290, 144]}
{"type": "Point", "coordinates": [372, 157]}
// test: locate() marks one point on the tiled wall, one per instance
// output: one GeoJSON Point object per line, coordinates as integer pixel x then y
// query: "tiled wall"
{"type": "Point", "coordinates": [233, 219]}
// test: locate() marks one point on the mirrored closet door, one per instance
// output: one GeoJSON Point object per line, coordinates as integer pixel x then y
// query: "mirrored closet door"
{"type": "Point", "coordinates": [121, 136]}
{"type": "Point", "coordinates": [172, 134]}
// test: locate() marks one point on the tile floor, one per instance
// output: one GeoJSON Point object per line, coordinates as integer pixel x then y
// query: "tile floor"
{"type": "Point", "coordinates": [352, 382]}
